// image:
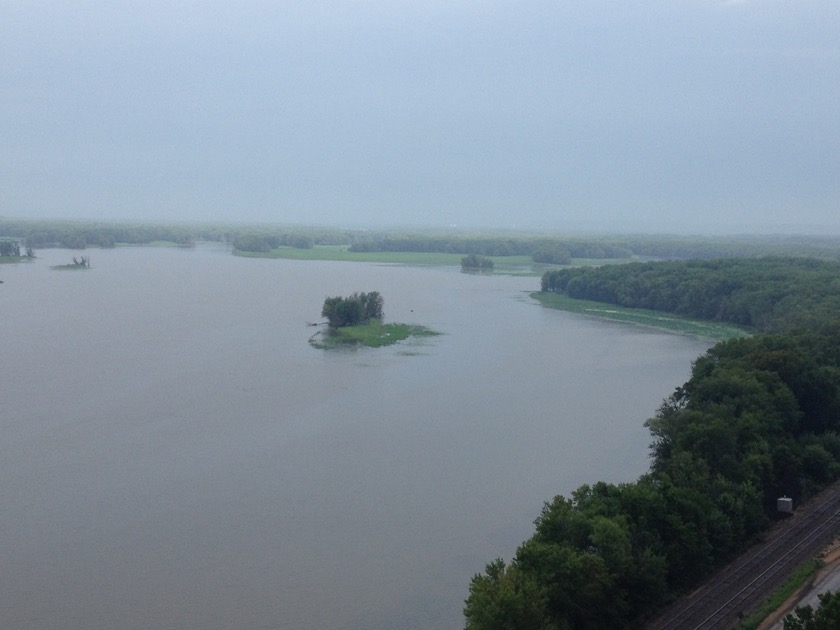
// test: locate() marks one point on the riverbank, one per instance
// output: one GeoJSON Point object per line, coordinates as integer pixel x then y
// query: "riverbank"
{"type": "Point", "coordinates": [649, 319]}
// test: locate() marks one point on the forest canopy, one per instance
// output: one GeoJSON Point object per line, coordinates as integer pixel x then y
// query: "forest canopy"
{"type": "Point", "coordinates": [758, 419]}
{"type": "Point", "coordinates": [768, 294]}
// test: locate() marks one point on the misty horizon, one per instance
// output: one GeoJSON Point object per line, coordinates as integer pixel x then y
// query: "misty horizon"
{"type": "Point", "coordinates": [669, 117]}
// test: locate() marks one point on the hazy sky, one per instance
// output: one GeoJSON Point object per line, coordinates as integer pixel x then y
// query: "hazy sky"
{"type": "Point", "coordinates": [657, 115]}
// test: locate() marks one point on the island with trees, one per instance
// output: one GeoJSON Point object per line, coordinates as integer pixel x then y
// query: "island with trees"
{"type": "Point", "coordinates": [356, 320]}
{"type": "Point", "coordinates": [82, 262]}
{"type": "Point", "coordinates": [474, 262]}
{"type": "Point", "coordinates": [10, 251]}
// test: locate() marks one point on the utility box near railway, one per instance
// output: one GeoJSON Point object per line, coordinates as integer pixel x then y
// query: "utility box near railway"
{"type": "Point", "coordinates": [784, 505]}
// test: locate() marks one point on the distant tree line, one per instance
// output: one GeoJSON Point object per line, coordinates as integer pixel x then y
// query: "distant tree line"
{"type": "Point", "coordinates": [540, 247]}
{"type": "Point", "coordinates": [560, 250]}
{"type": "Point", "coordinates": [358, 308]}
{"type": "Point", "coordinates": [758, 419]}
{"type": "Point", "coordinates": [83, 234]}
{"type": "Point", "coordinates": [768, 294]}
{"type": "Point", "coordinates": [743, 246]}
{"type": "Point", "coordinates": [556, 253]}
{"type": "Point", "coordinates": [72, 235]}
{"type": "Point", "coordinates": [545, 249]}
{"type": "Point", "coordinates": [260, 242]}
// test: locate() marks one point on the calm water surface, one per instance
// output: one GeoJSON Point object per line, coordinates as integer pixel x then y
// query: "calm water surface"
{"type": "Point", "coordinates": [174, 454]}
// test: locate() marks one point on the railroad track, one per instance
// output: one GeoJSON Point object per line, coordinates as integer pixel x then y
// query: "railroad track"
{"type": "Point", "coordinates": [742, 586]}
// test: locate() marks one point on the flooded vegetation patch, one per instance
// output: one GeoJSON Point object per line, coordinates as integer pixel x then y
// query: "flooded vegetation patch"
{"type": "Point", "coordinates": [373, 334]}
{"type": "Point", "coordinates": [641, 317]}
{"type": "Point", "coordinates": [78, 263]}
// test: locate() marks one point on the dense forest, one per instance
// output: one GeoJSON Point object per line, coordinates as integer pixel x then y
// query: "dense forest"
{"type": "Point", "coordinates": [759, 418]}
{"type": "Point", "coordinates": [83, 234]}
{"type": "Point", "coordinates": [561, 249]}
{"type": "Point", "coordinates": [767, 294]}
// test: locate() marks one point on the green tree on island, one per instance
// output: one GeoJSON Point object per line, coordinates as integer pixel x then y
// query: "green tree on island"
{"type": "Point", "coordinates": [474, 261]}
{"type": "Point", "coordinates": [358, 308]}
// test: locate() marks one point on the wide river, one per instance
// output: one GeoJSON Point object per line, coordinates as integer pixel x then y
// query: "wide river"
{"type": "Point", "coordinates": [176, 455]}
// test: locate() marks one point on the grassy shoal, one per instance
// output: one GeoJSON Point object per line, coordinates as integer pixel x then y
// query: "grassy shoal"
{"type": "Point", "coordinates": [70, 267]}
{"type": "Point", "coordinates": [373, 334]}
{"type": "Point", "coordinates": [652, 319]}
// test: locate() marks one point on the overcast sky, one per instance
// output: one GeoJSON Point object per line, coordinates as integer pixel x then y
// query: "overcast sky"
{"type": "Point", "coordinates": [657, 115]}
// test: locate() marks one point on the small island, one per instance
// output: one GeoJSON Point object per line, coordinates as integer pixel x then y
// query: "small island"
{"type": "Point", "coordinates": [83, 262]}
{"type": "Point", "coordinates": [10, 252]}
{"type": "Point", "coordinates": [357, 321]}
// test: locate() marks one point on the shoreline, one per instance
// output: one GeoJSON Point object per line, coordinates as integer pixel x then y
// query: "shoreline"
{"type": "Point", "coordinates": [655, 320]}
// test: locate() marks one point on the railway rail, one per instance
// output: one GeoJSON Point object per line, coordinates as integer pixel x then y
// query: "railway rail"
{"type": "Point", "coordinates": [744, 584]}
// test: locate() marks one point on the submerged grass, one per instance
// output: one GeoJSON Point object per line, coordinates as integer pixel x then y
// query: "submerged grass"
{"type": "Point", "coordinates": [374, 334]}
{"type": "Point", "coordinates": [651, 319]}
{"type": "Point", "coordinates": [69, 267]}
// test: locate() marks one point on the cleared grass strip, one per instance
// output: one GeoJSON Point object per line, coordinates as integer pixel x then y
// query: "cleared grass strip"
{"type": "Point", "coordinates": [806, 571]}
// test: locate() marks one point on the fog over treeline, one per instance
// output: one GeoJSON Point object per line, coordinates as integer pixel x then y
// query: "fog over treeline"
{"type": "Point", "coordinates": [662, 116]}
{"type": "Point", "coordinates": [541, 246]}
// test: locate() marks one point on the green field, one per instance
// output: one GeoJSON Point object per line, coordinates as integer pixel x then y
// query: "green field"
{"type": "Point", "coordinates": [508, 265]}
{"type": "Point", "coordinates": [374, 334]}
{"type": "Point", "coordinates": [651, 319]}
{"type": "Point", "coordinates": [341, 253]}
